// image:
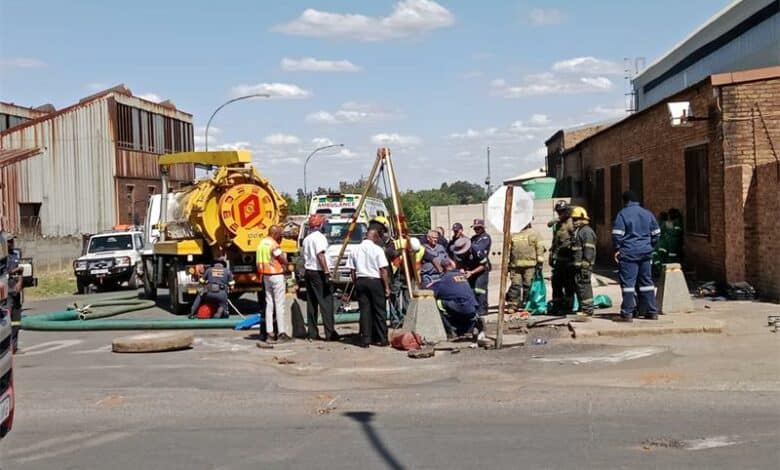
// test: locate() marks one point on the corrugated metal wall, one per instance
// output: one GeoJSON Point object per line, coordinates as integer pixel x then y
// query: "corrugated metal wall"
{"type": "Point", "coordinates": [9, 190]}
{"type": "Point", "coordinates": [73, 176]}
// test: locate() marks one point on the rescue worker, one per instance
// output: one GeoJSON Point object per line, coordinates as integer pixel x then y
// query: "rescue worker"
{"type": "Point", "coordinates": [560, 260]}
{"type": "Point", "coordinates": [583, 257]}
{"type": "Point", "coordinates": [480, 244]}
{"type": "Point", "coordinates": [442, 239]}
{"type": "Point", "coordinates": [319, 290]}
{"type": "Point", "coordinates": [635, 234]}
{"type": "Point", "coordinates": [369, 268]}
{"type": "Point", "coordinates": [15, 286]}
{"type": "Point", "coordinates": [661, 250]}
{"type": "Point", "coordinates": [474, 265]}
{"type": "Point", "coordinates": [457, 232]}
{"type": "Point", "coordinates": [432, 259]}
{"type": "Point", "coordinates": [217, 282]}
{"type": "Point", "coordinates": [381, 224]}
{"type": "Point", "coordinates": [675, 237]}
{"type": "Point", "coordinates": [272, 265]}
{"type": "Point", "coordinates": [526, 256]}
{"type": "Point", "coordinates": [456, 302]}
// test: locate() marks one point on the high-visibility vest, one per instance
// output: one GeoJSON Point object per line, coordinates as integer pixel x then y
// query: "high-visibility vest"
{"type": "Point", "coordinates": [266, 261]}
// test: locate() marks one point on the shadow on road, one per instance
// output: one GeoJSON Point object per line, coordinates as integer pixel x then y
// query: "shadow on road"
{"type": "Point", "coordinates": [365, 418]}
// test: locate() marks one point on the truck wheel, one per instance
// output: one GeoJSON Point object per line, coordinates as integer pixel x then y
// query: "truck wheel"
{"type": "Point", "coordinates": [134, 282]}
{"type": "Point", "coordinates": [81, 287]}
{"type": "Point", "coordinates": [150, 288]}
{"type": "Point", "coordinates": [177, 308]}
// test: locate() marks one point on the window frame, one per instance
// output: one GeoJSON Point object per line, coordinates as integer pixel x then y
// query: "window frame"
{"type": "Point", "coordinates": [697, 189]}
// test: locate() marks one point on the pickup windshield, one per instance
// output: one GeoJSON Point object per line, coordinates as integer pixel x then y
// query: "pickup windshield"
{"type": "Point", "coordinates": [110, 243]}
{"type": "Point", "coordinates": [336, 232]}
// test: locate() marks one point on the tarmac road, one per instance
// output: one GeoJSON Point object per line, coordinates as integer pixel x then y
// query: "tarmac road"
{"type": "Point", "coordinates": [669, 402]}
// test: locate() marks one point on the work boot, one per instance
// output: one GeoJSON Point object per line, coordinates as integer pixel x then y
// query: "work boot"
{"type": "Point", "coordinates": [651, 316]}
{"type": "Point", "coordinates": [622, 319]}
{"type": "Point", "coordinates": [283, 338]}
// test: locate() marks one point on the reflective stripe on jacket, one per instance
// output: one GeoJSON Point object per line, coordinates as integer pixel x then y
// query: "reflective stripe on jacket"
{"type": "Point", "coordinates": [635, 232]}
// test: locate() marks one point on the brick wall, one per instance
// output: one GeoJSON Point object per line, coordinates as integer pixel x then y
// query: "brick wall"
{"type": "Point", "coordinates": [649, 136]}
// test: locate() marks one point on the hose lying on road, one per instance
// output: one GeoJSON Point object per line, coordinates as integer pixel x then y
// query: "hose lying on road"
{"type": "Point", "coordinates": [93, 316]}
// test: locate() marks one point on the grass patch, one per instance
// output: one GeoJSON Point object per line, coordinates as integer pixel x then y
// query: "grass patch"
{"type": "Point", "coordinates": [52, 285]}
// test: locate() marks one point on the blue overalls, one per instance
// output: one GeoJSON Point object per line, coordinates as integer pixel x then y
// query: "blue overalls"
{"type": "Point", "coordinates": [635, 234]}
{"type": "Point", "coordinates": [218, 279]}
{"type": "Point", "coordinates": [455, 297]}
{"type": "Point", "coordinates": [480, 245]}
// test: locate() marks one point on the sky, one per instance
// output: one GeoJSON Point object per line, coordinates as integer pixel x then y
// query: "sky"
{"type": "Point", "coordinates": [435, 81]}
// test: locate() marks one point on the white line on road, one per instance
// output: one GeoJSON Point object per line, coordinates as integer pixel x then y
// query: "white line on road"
{"type": "Point", "coordinates": [50, 443]}
{"type": "Point", "coordinates": [50, 346]}
{"type": "Point", "coordinates": [101, 349]}
{"type": "Point", "coordinates": [711, 442]}
{"type": "Point", "coordinates": [85, 444]}
{"type": "Point", "coordinates": [627, 355]}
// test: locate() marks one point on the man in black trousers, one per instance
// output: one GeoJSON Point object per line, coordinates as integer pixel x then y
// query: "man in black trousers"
{"type": "Point", "coordinates": [372, 285]}
{"type": "Point", "coordinates": [319, 291]}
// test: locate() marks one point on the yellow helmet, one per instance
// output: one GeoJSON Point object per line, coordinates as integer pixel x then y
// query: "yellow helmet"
{"type": "Point", "coordinates": [579, 213]}
{"type": "Point", "coordinates": [382, 220]}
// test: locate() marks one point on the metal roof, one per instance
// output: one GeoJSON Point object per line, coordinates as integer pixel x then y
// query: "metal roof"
{"type": "Point", "coordinates": [9, 156]}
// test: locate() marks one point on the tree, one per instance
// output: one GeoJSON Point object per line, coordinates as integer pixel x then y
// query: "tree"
{"type": "Point", "coordinates": [465, 192]}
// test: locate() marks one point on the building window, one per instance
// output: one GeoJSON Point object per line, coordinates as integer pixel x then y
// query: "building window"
{"type": "Point", "coordinates": [8, 121]}
{"type": "Point", "coordinates": [616, 189]}
{"type": "Point", "coordinates": [697, 190]}
{"type": "Point", "coordinates": [149, 132]}
{"type": "Point", "coordinates": [596, 202]}
{"type": "Point", "coordinates": [30, 217]}
{"type": "Point", "coordinates": [635, 176]}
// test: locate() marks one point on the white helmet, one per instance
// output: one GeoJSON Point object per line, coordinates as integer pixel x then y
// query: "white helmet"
{"type": "Point", "coordinates": [414, 244]}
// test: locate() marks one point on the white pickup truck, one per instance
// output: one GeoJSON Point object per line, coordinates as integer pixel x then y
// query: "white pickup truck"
{"type": "Point", "coordinates": [111, 259]}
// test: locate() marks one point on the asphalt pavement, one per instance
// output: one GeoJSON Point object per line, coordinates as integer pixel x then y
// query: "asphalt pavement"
{"type": "Point", "coordinates": [689, 401]}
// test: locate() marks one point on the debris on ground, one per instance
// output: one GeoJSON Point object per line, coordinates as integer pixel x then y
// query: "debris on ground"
{"type": "Point", "coordinates": [740, 291]}
{"type": "Point", "coordinates": [423, 353]}
{"type": "Point", "coordinates": [405, 340]}
{"type": "Point", "coordinates": [327, 408]}
{"type": "Point", "coordinates": [663, 443]}
{"type": "Point", "coordinates": [264, 345]}
{"type": "Point", "coordinates": [284, 360]}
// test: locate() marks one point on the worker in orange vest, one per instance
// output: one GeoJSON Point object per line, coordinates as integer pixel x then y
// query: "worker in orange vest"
{"type": "Point", "coordinates": [272, 266]}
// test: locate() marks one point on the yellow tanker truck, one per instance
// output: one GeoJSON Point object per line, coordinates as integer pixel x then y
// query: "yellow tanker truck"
{"type": "Point", "coordinates": [226, 213]}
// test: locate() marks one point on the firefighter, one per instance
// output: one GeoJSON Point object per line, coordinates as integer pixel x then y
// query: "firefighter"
{"type": "Point", "coordinates": [583, 256]}
{"type": "Point", "coordinates": [525, 258]}
{"type": "Point", "coordinates": [635, 234]}
{"type": "Point", "coordinates": [217, 281]}
{"type": "Point", "coordinates": [560, 260]}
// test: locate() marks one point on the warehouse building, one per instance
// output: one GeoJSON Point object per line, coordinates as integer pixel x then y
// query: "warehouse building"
{"type": "Point", "coordinates": [87, 167]}
{"type": "Point", "coordinates": [721, 168]}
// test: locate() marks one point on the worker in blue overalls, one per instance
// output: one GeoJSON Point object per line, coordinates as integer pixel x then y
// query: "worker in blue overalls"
{"type": "Point", "coordinates": [217, 281]}
{"type": "Point", "coordinates": [480, 244]}
{"type": "Point", "coordinates": [635, 234]}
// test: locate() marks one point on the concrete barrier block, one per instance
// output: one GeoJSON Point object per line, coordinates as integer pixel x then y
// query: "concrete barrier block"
{"type": "Point", "coordinates": [422, 317]}
{"type": "Point", "coordinates": [673, 294]}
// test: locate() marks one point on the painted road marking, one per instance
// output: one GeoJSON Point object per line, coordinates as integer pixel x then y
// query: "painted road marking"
{"type": "Point", "coordinates": [711, 442]}
{"type": "Point", "coordinates": [50, 346]}
{"type": "Point", "coordinates": [85, 444]}
{"type": "Point", "coordinates": [627, 355]}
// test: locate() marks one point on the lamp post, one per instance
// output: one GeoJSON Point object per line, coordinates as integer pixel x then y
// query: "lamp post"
{"type": "Point", "coordinates": [245, 97]}
{"type": "Point", "coordinates": [324, 147]}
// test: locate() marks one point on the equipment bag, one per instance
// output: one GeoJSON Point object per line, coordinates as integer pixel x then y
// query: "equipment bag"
{"type": "Point", "coordinates": [602, 301]}
{"type": "Point", "coordinates": [537, 296]}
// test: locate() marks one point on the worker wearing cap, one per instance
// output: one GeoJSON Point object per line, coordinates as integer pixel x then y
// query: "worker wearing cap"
{"type": "Point", "coordinates": [526, 256]}
{"type": "Point", "coordinates": [456, 301]}
{"type": "Point", "coordinates": [272, 265]}
{"type": "Point", "coordinates": [15, 285]}
{"type": "Point", "coordinates": [583, 257]}
{"type": "Point", "coordinates": [563, 288]}
{"type": "Point", "coordinates": [217, 281]}
{"type": "Point", "coordinates": [480, 244]}
{"type": "Point", "coordinates": [457, 232]}
{"type": "Point", "coordinates": [442, 238]}
{"type": "Point", "coordinates": [319, 291]}
{"type": "Point", "coordinates": [475, 267]}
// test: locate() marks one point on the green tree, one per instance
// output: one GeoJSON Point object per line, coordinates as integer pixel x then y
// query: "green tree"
{"type": "Point", "coordinates": [465, 192]}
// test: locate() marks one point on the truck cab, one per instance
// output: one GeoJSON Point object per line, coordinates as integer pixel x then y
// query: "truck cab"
{"type": "Point", "coordinates": [6, 349]}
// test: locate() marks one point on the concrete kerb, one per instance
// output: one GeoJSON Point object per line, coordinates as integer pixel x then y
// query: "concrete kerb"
{"type": "Point", "coordinates": [673, 325]}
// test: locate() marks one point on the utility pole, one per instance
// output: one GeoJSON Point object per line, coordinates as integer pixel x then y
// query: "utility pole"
{"type": "Point", "coordinates": [487, 180]}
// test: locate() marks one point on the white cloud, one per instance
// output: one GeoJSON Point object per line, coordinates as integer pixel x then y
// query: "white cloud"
{"type": "Point", "coordinates": [352, 113]}
{"type": "Point", "coordinates": [149, 97]}
{"type": "Point", "coordinates": [588, 66]}
{"type": "Point", "coordinates": [321, 141]}
{"type": "Point", "coordinates": [240, 145]}
{"type": "Point", "coordinates": [518, 131]}
{"type": "Point", "coordinates": [281, 139]}
{"type": "Point", "coordinates": [199, 136]}
{"type": "Point", "coordinates": [395, 139]}
{"type": "Point", "coordinates": [409, 18]}
{"type": "Point", "coordinates": [276, 90]}
{"type": "Point", "coordinates": [21, 63]}
{"type": "Point", "coordinates": [310, 64]}
{"type": "Point", "coordinates": [547, 16]}
{"type": "Point", "coordinates": [474, 134]}
{"type": "Point", "coordinates": [286, 161]}
{"type": "Point", "coordinates": [547, 83]}
{"type": "Point", "coordinates": [607, 111]}
{"type": "Point", "coordinates": [540, 119]}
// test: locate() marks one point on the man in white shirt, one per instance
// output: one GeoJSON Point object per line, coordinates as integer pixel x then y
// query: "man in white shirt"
{"type": "Point", "coordinates": [372, 286]}
{"type": "Point", "coordinates": [319, 291]}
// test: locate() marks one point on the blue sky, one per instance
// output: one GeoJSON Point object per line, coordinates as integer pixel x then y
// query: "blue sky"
{"type": "Point", "coordinates": [437, 82]}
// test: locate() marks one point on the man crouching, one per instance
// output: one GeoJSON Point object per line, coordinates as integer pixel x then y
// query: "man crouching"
{"type": "Point", "coordinates": [456, 302]}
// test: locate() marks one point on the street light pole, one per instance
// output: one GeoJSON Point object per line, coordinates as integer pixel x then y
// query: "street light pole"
{"type": "Point", "coordinates": [324, 147]}
{"type": "Point", "coordinates": [245, 97]}
{"type": "Point", "coordinates": [487, 180]}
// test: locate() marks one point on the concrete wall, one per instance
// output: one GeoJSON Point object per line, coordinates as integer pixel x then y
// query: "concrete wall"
{"type": "Point", "coordinates": [51, 254]}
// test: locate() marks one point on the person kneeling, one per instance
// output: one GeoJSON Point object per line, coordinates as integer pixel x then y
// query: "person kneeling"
{"type": "Point", "coordinates": [456, 302]}
{"type": "Point", "coordinates": [217, 282]}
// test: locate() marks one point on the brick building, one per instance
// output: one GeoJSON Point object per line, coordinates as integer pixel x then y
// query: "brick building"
{"type": "Point", "coordinates": [564, 161]}
{"type": "Point", "coordinates": [89, 166]}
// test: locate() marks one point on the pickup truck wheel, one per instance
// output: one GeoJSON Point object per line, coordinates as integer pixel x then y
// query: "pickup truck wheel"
{"type": "Point", "coordinates": [177, 308]}
{"type": "Point", "coordinates": [81, 287]}
{"type": "Point", "coordinates": [150, 288]}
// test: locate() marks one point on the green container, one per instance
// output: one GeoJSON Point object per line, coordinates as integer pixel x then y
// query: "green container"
{"type": "Point", "coordinates": [543, 188]}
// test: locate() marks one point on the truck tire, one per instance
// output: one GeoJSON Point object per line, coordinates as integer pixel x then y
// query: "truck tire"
{"type": "Point", "coordinates": [150, 288]}
{"type": "Point", "coordinates": [177, 308]}
{"type": "Point", "coordinates": [81, 287]}
{"type": "Point", "coordinates": [153, 342]}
